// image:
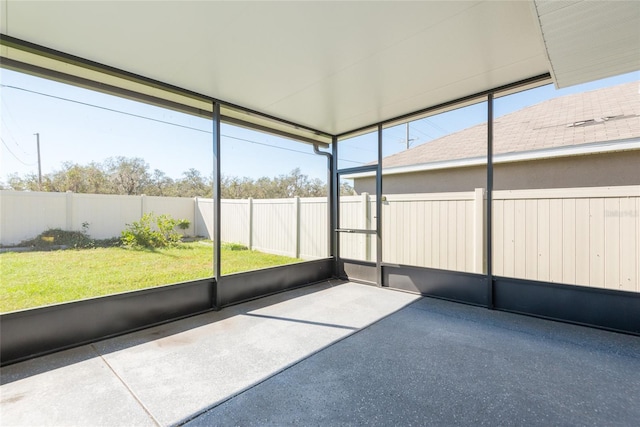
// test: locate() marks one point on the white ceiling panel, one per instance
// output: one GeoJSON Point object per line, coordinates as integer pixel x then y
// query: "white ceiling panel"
{"type": "Point", "coordinates": [331, 66]}
{"type": "Point", "coordinates": [590, 40]}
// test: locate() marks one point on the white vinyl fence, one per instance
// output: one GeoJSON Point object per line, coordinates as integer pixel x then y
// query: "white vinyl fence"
{"type": "Point", "coordinates": [585, 236]}
{"type": "Point", "coordinates": [293, 227]}
{"type": "Point", "coordinates": [24, 215]}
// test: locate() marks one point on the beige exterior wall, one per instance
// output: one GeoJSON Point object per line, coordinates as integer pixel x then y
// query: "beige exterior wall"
{"type": "Point", "coordinates": [611, 169]}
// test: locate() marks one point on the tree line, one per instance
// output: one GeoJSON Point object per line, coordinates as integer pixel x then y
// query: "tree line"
{"type": "Point", "coordinates": [132, 176]}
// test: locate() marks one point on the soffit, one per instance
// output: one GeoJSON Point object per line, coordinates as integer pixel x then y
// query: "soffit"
{"type": "Point", "coordinates": [590, 40]}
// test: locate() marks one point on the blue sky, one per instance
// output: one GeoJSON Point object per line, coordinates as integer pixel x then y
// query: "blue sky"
{"type": "Point", "coordinates": [72, 129]}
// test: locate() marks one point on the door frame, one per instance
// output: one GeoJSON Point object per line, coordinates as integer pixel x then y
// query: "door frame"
{"type": "Point", "coordinates": [337, 231]}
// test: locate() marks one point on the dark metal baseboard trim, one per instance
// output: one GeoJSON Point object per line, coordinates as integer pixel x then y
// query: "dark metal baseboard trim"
{"type": "Point", "coordinates": [358, 271]}
{"type": "Point", "coordinates": [30, 333]}
{"type": "Point", "coordinates": [608, 309]}
{"type": "Point", "coordinates": [468, 288]}
{"type": "Point", "coordinates": [240, 287]}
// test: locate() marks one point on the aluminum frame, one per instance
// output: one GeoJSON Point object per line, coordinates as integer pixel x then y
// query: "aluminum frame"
{"type": "Point", "coordinates": [24, 336]}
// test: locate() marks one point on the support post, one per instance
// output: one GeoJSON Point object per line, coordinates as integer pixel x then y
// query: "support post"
{"type": "Point", "coordinates": [379, 209]}
{"type": "Point", "coordinates": [489, 218]}
{"type": "Point", "coordinates": [216, 203]}
{"type": "Point", "coordinates": [334, 214]}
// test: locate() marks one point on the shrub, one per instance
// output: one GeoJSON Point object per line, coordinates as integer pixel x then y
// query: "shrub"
{"type": "Point", "coordinates": [62, 239]}
{"type": "Point", "coordinates": [183, 224]}
{"type": "Point", "coordinates": [153, 232]}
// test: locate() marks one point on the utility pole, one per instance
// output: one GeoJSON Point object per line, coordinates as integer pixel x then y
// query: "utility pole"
{"type": "Point", "coordinates": [408, 140]}
{"type": "Point", "coordinates": [39, 162]}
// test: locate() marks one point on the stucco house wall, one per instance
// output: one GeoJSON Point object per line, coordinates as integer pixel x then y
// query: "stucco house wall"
{"type": "Point", "coordinates": [594, 170]}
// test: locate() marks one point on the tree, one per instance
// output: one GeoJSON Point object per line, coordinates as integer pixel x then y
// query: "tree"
{"type": "Point", "coordinates": [160, 184]}
{"type": "Point", "coordinates": [127, 175]}
{"type": "Point", "coordinates": [122, 175]}
{"type": "Point", "coordinates": [295, 183]}
{"type": "Point", "coordinates": [347, 189]}
{"type": "Point", "coordinates": [193, 185]}
{"type": "Point", "coordinates": [27, 183]}
{"type": "Point", "coordinates": [77, 178]}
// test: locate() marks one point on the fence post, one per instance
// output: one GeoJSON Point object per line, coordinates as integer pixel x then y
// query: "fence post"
{"type": "Point", "coordinates": [196, 208]}
{"type": "Point", "coordinates": [296, 213]}
{"type": "Point", "coordinates": [69, 216]}
{"type": "Point", "coordinates": [143, 205]}
{"type": "Point", "coordinates": [479, 231]}
{"type": "Point", "coordinates": [250, 207]}
{"type": "Point", "coordinates": [366, 216]}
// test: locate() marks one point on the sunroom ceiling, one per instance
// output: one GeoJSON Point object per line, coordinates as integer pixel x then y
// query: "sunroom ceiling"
{"type": "Point", "coordinates": [330, 66]}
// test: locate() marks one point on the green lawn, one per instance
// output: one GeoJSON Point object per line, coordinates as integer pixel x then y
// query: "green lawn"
{"type": "Point", "coordinates": [33, 279]}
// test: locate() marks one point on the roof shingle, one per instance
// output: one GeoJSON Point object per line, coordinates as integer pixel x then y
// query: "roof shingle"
{"type": "Point", "coordinates": [602, 115]}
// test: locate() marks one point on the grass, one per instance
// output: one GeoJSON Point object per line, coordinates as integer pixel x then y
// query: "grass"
{"type": "Point", "coordinates": [33, 279]}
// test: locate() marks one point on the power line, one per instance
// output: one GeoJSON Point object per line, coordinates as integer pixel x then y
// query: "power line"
{"type": "Point", "coordinates": [266, 145]}
{"type": "Point", "coordinates": [105, 108]}
{"type": "Point", "coordinates": [158, 120]}
{"type": "Point", "coordinates": [422, 132]}
{"type": "Point", "coordinates": [13, 154]}
{"type": "Point", "coordinates": [13, 139]}
{"type": "Point", "coordinates": [437, 126]}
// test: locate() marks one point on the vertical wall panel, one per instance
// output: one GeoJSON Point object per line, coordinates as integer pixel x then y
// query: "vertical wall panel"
{"type": "Point", "coordinates": [612, 244]}
{"type": "Point", "coordinates": [498, 237]}
{"type": "Point", "coordinates": [520, 228]}
{"type": "Point", "coordinates": [582, 242]}
{"type": "Point", "coordinates": [469, 246]}
{"type": "Point", "coordinates": [531, 238]}
{"type": "Point", "coordinates": [509, 238]}
{"type": "Point", "coordinates": [435, 234]}
{"type": "Point", "coordinates": [555, 240]}
{"type": "Point", "coordinates": [569, 241]}
{"type": "Point", "coordinates": [629, 244]}
{"type": "Point", "coordinates": [543, 240]}
{"type": "Point", "coordinates": [596, 242]}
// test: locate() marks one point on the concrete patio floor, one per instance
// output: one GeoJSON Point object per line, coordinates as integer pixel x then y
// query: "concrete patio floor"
{"type": "Point", "coordinates": [336, 353]}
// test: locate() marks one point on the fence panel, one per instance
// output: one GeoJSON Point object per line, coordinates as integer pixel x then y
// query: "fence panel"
{"type": "Point", "coordinates": [430, 230]}
{"type": "Point", "coordinates": [356, 213]}
{"type": "Point", "coordinates": [203, 218]}
{"type": "Point", "coordinates": [235, 221]}
{"type": "Point", "coordinates": [274, 226]}
{"type": "Point", "coordinates": [582, 236]}
{"type": "Point", "coordinates": [24, 215]}
{"type": "Point", "coordinates": [313, 223]}
{"type": "Point", "coordinates": [106, 214]}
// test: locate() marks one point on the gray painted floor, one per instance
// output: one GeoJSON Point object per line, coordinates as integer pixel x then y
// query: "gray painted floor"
{"type": "Point", "coordinates": [337, 354]}
{"type": "Point", "coordinates": [440, 363]}
{"type": "Point", "coordinates": [165, 375]}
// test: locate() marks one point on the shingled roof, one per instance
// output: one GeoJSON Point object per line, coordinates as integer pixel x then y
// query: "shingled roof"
{"type": "Point", "coordinates": [603, 115]}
